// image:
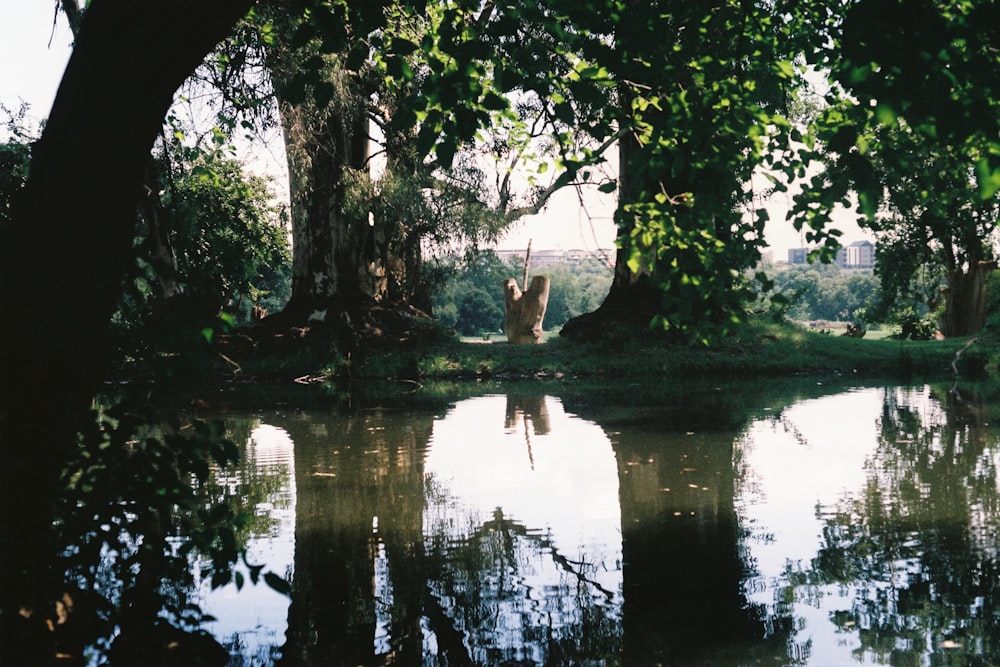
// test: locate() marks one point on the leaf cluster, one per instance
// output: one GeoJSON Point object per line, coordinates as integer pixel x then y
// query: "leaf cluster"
{"type": "Point", "coordinates": [229, 237]}
{"type": "Point", "coordinates": [910, 126]}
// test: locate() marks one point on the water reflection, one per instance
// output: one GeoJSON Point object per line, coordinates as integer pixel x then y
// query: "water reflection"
{"type": "Point", "coordinates": [251, 620]}
{"type": "Point", "coordinates": [523, 527]}
{"type": "Point", "coordinates": [878, 537]}
{"type": "Point", "coordinates": [854, 528]}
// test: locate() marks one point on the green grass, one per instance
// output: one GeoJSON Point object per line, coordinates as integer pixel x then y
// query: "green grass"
{"type": "Point", "coordinates": [756, 350]}
{"type": "Point", "coordinates": [627, 369]}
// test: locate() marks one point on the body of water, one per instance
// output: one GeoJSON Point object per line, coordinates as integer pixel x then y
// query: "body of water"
{"type": "Point", "coordinates": [858, 527]}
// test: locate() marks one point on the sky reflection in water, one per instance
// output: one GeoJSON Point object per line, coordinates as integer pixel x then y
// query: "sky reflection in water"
{"type": "Point", "coordinates": [854, 528]}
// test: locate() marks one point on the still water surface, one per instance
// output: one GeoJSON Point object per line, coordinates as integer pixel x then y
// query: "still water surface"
{"type": "Point", "coordinates": [854, 528]}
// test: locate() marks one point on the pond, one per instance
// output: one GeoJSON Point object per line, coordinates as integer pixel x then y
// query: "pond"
{"type": "Point", "coordinates": [857, 526]}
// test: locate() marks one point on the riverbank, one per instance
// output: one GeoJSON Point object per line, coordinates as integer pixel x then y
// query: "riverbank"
{"type": "Point", "coordinates": [754, 350]}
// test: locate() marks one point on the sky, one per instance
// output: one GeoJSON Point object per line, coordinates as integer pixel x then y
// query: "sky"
{"type": "Point", "coordinates": [31, 67]}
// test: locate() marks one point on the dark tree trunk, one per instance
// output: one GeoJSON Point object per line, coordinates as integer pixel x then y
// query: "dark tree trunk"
{"type": "Point", "coordinates": [69, 245]}
{"type": "Point", "coordinates": [689, 285]}
{"type": "Point", "coordinates": [333, 614]}
{"type": "Point", "coordinates": [633, 300]}
{"type": "Point", "coordinates": [335, 259]}
{"type": "Point", "coordinates": [965, 305]}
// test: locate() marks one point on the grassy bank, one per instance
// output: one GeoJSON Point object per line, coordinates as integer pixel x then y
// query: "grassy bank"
{"type": "Point", "coordinates": [754, 350]}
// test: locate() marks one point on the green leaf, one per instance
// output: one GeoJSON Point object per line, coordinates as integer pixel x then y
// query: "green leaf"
{"type": "Point", "coordinates": [989, 179]}
{"type": "Point", "coordinates": [608, 187]}
{"type": "Point", "coordinates": [785, 69]}
{"type": "Point", "coordinates": [277, 583]}
{"type": "Point", "coordinates": [886, 115]}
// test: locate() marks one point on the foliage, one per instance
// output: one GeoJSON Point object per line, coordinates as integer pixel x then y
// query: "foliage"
{"type": "Point", "coordinates": [142, 518]}
{"type": "Point", "coordinates": [703, 115]}
{"type": "Point", "coordinates": [927, 470]}
{"type": "Point", "coordinates": [229, 237]}
{"type": "Point", "coordinates": [914, 324]}
{"type": "Point", "coordinates": [478, 313]}
{"type": "Point", "coordinates": [993, 304]}
{"type": "Point", "coordinates": [826, 292]}
{"type": "Point", "coordinates": [15, 155]}
{"type": "Point", "coordinates": [229, 242]}
{"type": "Point", "coordinates": [142, 515]}
{"type": "Point", "coordinates": [697, 91]}
{"type": "Point", "coordinates": [705, 107]}
{"type": "Point", "coordinates": [133, 521]}
{"type": "Point", "coordinates": [912, 290]}
{"type": "Point", "coordinates": [576, 287]}
{"type": "Point", "coordinates": [911, 125]}
{"type": "Point", "coordinates": [14, 159]}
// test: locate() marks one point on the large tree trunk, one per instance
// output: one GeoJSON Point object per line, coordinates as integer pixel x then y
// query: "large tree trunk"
{"type": "Point", "coordinates": [355, 263]}
{"type": "Point", "coordinates": [633, 300]}
{"type": "Point", "coordinates": [679, 203]}
{"type": "Point", "coordinates": [338, 254]}
{"type": "Point", "coordinates": [335, 260]}
{"type": "Point", "coordinates": [69, 246]}
{"type": "Point", "coordinates": [965, 305]}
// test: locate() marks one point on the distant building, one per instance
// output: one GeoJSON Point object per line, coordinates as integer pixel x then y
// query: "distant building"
{"type": "Point", "coordinates": [544, 257]}
{"type": "Point", "coordinates": [798, 255]}
{"type": "Point", "coordinates": [858, 255]}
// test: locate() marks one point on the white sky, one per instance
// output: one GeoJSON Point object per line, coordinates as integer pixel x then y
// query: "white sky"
{"type": "Point", "coordinates": [31, 70]}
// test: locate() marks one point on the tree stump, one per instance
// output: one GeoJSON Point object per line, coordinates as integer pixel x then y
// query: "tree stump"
{"type": "Point", "coordinates": [525, 310]}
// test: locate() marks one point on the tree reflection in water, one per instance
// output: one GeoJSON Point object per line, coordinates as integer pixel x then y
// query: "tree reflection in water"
{"type": "Point", "coordinates": [904, 567]}
{"type": "Point", "coordinates": [920, 542]}
{"type": "Point", "coordinates": [523, 529]}
{"type": "Point", "coordinates": [251, 620]}
{"type": "Point", "coordinates": [858, 527]}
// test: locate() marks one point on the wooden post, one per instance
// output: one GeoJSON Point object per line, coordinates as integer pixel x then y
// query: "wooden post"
{"type": "Point", "coordinates": [527, 260]}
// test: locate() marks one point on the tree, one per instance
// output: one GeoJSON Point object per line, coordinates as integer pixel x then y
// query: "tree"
{"type": "Point", "coordinates": [577, 287]}
{"type": "Point", "coordinates": [68, 245]}
{"type": "Point", "coordinates": [360, 241]}
{"type": "Point", "coordinates": [919, 226]}
{"type": "Point", "coordinates": [697, 92]}
{"type": "Point", "coordinates": [916, 137]}
{"type": "Point", "coordinates": [227, 234]}
{"type": "Point", "coordinates": [478, 313]}
{"type": "Point", "coordinates": [927, 479]}
{"type": "Point", "coordinates": [14, 157]}
{"type": "Point", "coordinates": [826, 292]}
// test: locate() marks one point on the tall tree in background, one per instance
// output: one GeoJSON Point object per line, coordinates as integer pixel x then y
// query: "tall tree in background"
{"type": "Point", "coordinates": [917, 226]}
{"type": "Point", "coordinates": [424, 73]}
{"type": "Point", "coordinates": [343, 76]}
